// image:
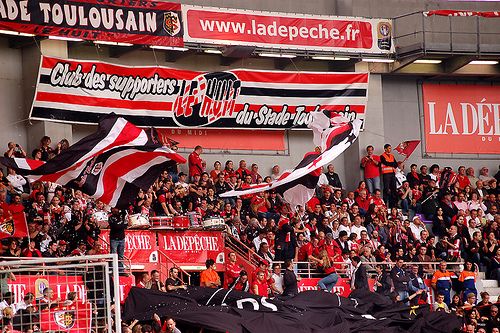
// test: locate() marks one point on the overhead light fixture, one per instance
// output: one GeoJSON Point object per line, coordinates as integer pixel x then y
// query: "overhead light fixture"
{"type": "Point", "coordinates": [105, 42]}
{"type": "Point", "coordinates": [331, 58]}
{"type": "Point", "coordinates": [384, 60]}
{"type": "Point", "coordinates": [68, 39]}
{"type": "Point", "coordinates": [428, 61]}
{"type": "Point", "coordinates": [15, 33]}
{"type": "Point", "coordinates": [168, 48]}
{"type": "Point", "coordinates": [277, 55]}
{"type": "Point", "coordinates": [212, 51]}
{"type": "Point", "coordinates": [483, 62]}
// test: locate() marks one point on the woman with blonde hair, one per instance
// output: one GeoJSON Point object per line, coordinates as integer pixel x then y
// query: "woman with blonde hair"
{"type": "Point", "coordinates": [325, 264]}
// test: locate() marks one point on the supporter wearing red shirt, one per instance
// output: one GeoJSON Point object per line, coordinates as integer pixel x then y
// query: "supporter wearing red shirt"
{"type": "Point", "coordinates": [32, 251]}
{"type": "Point", "coordinates": [16, 207]}
{"type": "Point", "coordinates": [462, 178]}
{"type": "Point", "coordinates": [242, 171]}
{"type": "Point", "coordinates": [260, 285]}
{"type": "Point", "coordinates": [260, 204]}
{"type": "Point", "coordinates": [195, 162]}
{"type": "Point", "coordinates": [232, 271]}
{"type": "Point", "coordinates": [371, 164]}
{"type": "Point", "coordinates": [263, 267]}
{"type": "Point", "coordinates": [363, 200]}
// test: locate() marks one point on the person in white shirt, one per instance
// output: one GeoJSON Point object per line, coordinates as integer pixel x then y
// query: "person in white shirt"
{"type": "Point", "coordinates": [416, 227]}
{"type": "Point", "coordinates": [259, 239]}
{"type": "Point", "coordinates": [345, 225]}
{"type": "Point", "coordinates": [357, 227]}
{"type": "Point", "coordinates": [461, 204]}
{"type": "Point", "coordinates": [16, 180]}
{"type": "Point", "coordinates": [277, 277]}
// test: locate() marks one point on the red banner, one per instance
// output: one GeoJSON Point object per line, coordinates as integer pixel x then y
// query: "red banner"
{"type": "Point", "coordinates": [140, 245]}
{"type": "Point", "coordinates": [461, 13]}
{"type": "Point", "coordinates": [135, 22]}
{"type": "Point", "coordinates": [286, 31]}
{"type": "Point", "coordinates": [80, 91]}
{"type": "Point", "coordinates": [15, 227]}
{"type": "Point", "coordinates": [343, 287]}
{"type": "Point", "coordinates": [193, 247]}
{"type": "Point", "coordinates": [461, 118]}
{"type": "Point", "coordinates": [61, 284]}
{"type": "Point", "coordinates": [71, 319]}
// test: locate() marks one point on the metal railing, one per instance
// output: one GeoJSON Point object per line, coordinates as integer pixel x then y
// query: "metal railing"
{"type": "Point", "coordinates": [306, 269]}
{"type": "Point", "coordinates": [242, 250]}
{"type": "Point", "coordinates": [94, 281]}
{"type": "Point", "coordinates": [415, 33]}
{"type": "Point", "coordinates": [165, 267]}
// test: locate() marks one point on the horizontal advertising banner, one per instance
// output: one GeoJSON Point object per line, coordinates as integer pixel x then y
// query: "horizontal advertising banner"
{"type": "Point", "coordinates": [286, 31]}
{"type": "Point", "coordinates": [461, 118]}
{"type": "Point", "coordinates": [61, 284]}
{"type": "Point", "coordinates": [193, 247]}
{"type": "Point", "coordinates": [81, 91]}
{"type": "Point", "coordinates": [136, 22]}
{"type": "Point", "coordinates": [140, 245]}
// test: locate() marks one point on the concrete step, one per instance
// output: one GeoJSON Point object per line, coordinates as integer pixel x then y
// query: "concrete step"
{"type": "Point", "coordinates": [489, 283]}
{"type": "Point", "coordinates": [481, 275]}
{"type": "Point", "coordinates": [492, 291]}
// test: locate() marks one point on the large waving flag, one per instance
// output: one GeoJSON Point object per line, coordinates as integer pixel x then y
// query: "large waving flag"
{"type": "Point", "coordinates": [110, 165]}
{"type": "Point", "coordinates": [334, 137]}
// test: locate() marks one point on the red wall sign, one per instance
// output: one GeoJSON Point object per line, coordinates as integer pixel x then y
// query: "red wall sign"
{"type": "Point", "coordinates": [193, 247]}
{"type": "Point", "coordinates": [461, 118]}
{"type": "Point", "coordinates": [135, 22]}
{"type": "Point", "coordinates": [286, 31]}
{"type": "Point", "coordinates": [140, 245]}
{"type": "Point", "coordinates": [61, 284]}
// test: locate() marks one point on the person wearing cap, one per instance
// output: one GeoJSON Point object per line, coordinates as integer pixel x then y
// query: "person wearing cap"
{"type": "Point", "coordinates": [62, 248]}
{"type": "Point", "coordinates": [416, 227]}
{"type": "Point", "coordinates": [209, 277]}
{"type": "Point", "coordinates": [263, 267]}
{"type": "Point", "coordinates": [182, 181]}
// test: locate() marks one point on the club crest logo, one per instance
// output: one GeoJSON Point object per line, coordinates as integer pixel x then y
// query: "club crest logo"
{"type": "Point", "coordinates": [97, 168]}
{"type": "Point", "coordinates": [206, 99]}
{"type": "Point", "coordinates": [65, 319]}
{"type": "Point", "coordinates": [8, 227]}
{"type": "Point", "coordinates": [171, 23]}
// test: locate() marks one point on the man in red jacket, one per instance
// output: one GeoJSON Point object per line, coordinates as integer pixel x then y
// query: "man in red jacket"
{"type": "Point", "coordinates": [195, 162]}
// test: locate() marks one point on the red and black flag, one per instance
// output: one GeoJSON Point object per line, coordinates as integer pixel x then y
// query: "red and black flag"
{"type": "Point", "coordinates": [224, 310]}
{"type": "Point", "coordinates": [304, 177]}
{"type": "Point", "coordinates": [14, 226]}
{"type": "Point", "coordinates": [110, 165]}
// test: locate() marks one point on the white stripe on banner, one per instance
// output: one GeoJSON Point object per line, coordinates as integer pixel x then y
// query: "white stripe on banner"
{"type": "Point", "coordinates": [183, 98]}
{"type": "Point", "coordinates": [133, 174]}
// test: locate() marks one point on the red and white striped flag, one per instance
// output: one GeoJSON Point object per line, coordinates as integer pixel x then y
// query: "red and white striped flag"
{"type": "Point", "coordinates": [109, 165]}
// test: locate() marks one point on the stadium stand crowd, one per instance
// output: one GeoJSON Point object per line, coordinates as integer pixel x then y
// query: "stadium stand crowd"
{"type": "Point", "coordinates": [427, 214]}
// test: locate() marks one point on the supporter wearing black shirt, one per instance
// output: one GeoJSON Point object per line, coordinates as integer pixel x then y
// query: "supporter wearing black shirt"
{"type": "Point", "coordinates": [173, 282]}
{"type": "Point", "coordinates": [117, 227]}
{"type": "Point", "coordinates": [290, 287]}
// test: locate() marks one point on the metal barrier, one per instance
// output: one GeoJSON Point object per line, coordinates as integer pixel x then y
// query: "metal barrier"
{"type": "Point", "coordinates": [165, 267]}
{"type": "Point", "coordinates": [242, 250]}
{"type": "Point", "coordinates": [306, 269]}
{"type": "Point", "coordinates": [415, 33]}
{"type": "Point", "coordinates": [59, 294]}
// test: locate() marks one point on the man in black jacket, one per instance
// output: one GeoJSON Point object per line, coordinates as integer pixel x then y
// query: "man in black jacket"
{"type": "Point", "coordinates": [290, 287]}
{"type": "Point", "coordinates": [359, 278]}
{"type": "Point", "coordinates": [400, 279]}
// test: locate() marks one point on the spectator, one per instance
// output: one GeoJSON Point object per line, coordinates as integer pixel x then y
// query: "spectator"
{"type": "Point", "coordinates": [371, 165]}
{"type": "Point", "coordinates": [241, 283]}
{"type": "Point", "coordinates": [209, 277]}
{"type": "Point", "coordinates": [154, 283]}
{"type": "Point", "coordinates": [441, 281]}
{"type": "Point", "coordinates": [290, 280]}
{"type": "Point", "coordinates": [117, 225]}
{"type": "Point", "coordinates": [383, 282]}
{"type": "Point", "coordinates": [232, 271]}
{"type": "Point", "coordinates": [328, 269]}
{"type": "Point", "coordinates": [440, 305]}
{"type": "Point", "coordinates": [389, 166]}
{"type": "Point", "coordinates": [400, 279]}
{"type": "Point", "coordinates": [195, 162]}
{"type": "Point", "coordinates": [174, 282]}
{"type": "Point", "coordinates": [259, 285]}
{"type": "Point", "coordinates": [330, 179]}
{"type": "Point", "coordinates": [277, 280]}
{"type": "Point", "coordinates": [359, 278]}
